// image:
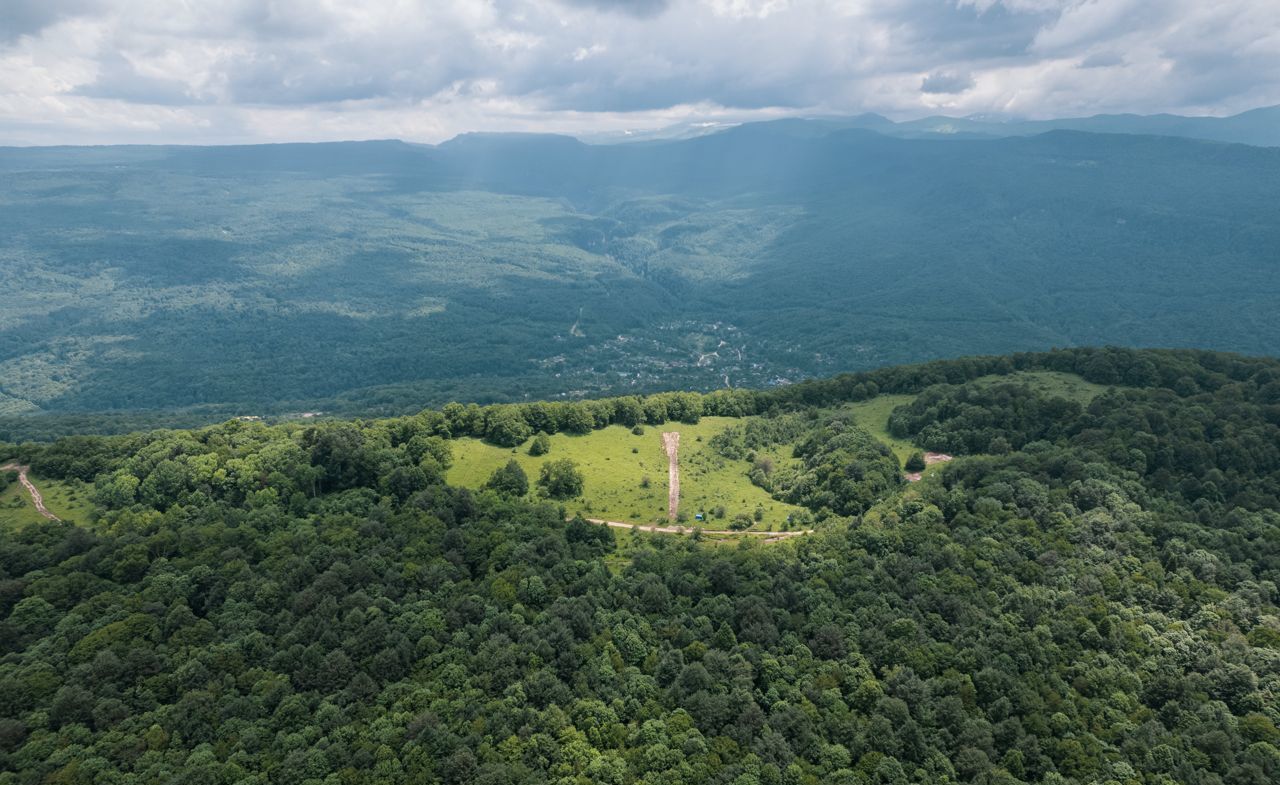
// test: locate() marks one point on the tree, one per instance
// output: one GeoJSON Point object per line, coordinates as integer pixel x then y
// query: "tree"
{"type": "Point", "coordinates": [541, 445]}
{"type": "Point", "coordinates": [915, 463]}
{"type": "Point", "coordinates": [115, 490]}
{"type": "Point", "coordinates": [509, 480]}
{"type": "Point", "coordinates": [560, 479]}
{"type": "Point", "coordinates": [437, 449]}
{"type": "Point", "coordinates": [404, 481]}
{"type": "Point", "coordinates": [506, 427]}
{"type": "Point", "coordinates": [341, 452]}
{"type": "Point", "coordinates": [577, 418]}
{"type": "Point", "coordinates": [628, 411]}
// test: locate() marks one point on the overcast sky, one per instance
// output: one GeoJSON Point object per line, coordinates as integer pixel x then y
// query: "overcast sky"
{"type": "Point", "coordinates": [216, 71]}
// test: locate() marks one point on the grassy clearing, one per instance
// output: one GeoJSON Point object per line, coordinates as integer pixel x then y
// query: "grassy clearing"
{"type": "Point", "coordinates": [69, 500]}
{"type": "Point", "coordinates": [1052, 383]}
{"type": "Point", "coordinates": [614, 462]}
{"type": "Point", "coordinates": [873, 415]}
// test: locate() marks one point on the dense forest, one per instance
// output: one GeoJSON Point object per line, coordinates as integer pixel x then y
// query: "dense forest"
{"type": "Point", "coordinates": [1086, 594]}
{"type": "Point", "coordinates": [211, 281]}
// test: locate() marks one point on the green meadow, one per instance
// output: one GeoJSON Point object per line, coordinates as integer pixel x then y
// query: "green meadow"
{"type": "Point", "coordinates": [873, 415]}
{"type": "Point", "coordinates": [615, 464]}
{"type": "Point", "coordinates": [1049, 383]}
{"type": "Point", "coordinates": [67, 499]}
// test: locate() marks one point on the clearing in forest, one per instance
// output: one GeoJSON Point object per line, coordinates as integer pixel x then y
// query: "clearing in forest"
{"type": "Point", "coordinates": [32, 491]}
{"type": "Point", "coordinates": [626, 476]}
{"type": "Point", "coordinates": [1057, 384]}
{"type": "Point", "coordinates": [59, 500]}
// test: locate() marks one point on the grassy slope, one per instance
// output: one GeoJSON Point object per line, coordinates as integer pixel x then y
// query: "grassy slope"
{"type": "Point", "coordinates": [874, 414]}
{"type": "Point", "coordinates": [1055, 383]}
{"type": "Point", "coordinates": [613, 472]}
{"type": "Point", "coordinates": [69, 500]}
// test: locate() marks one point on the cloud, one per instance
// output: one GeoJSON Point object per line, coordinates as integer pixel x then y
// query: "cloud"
{"type": "Point", "coordinates": [946, 82]}
{"type": "Point", "coordinates": [641, 9]}
{"type": "Point", "coordinates": [26, 17]}
{"type": "Point", "coordinates": [245, 70]}
{"type": "Point", "coordinates": [1103, 59]}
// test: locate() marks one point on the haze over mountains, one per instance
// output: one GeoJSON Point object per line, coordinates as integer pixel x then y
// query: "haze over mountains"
{"type": "Point", "coordinates": [379, 276]}
{"type": "Point", "coordinates": [1259, 126]}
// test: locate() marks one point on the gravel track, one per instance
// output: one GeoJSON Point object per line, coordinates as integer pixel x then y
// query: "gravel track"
{"type": "Point", "coordinates": [36, 498]}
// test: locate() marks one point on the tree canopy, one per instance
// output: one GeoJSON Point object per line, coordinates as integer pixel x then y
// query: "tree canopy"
{"type": "Point", "coordinates": [314, 605]}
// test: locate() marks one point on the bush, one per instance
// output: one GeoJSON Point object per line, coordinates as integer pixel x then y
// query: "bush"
{"type": "Point", "coordinates": [509, 480]}
{"type": "Point", "coordinates": [560, 479]}
{"type": "Point", "coordinates": [916, 462]}
{"type": "Point", "coordinates": [541, 444]}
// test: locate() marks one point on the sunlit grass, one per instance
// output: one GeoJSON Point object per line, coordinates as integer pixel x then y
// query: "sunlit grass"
{"type": "Point", "coordinates": [1051, 383]}
{"type": "Point", "coordinates": [67, 499]}
{"type": "Point", "coordinates": [614, 462]}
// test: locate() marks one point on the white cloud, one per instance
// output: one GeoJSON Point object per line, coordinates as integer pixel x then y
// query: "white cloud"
{"type": "Point", "coordinates": [585, 52]}
{"type": "Point", "coordinates": [244, 70]}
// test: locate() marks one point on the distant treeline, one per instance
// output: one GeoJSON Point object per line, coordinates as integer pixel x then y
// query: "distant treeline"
{"type": "Point", "coordinates": [1184, 371]}
{"type": "Point", "coordinates": [508, 424]}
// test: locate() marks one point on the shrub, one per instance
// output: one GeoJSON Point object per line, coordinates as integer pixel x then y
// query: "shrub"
{"type": "Point", "coordinates": [541, 444]}
{"type": "Point", "coordinates": [509, 480]}
{"type": "Point", "coordinates": [560, 479]}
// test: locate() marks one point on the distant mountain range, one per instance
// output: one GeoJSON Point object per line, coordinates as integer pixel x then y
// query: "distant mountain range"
{"type": "Point", "coordinates": [1259, 127]}
{"type": "Point", "coordinates": [362, 276]}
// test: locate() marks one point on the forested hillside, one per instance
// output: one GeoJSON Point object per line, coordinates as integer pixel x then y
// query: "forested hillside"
{"type": "Point", "coordinates": [371, 278]}
{"type": "Point", "coordinates": [1086, 594]}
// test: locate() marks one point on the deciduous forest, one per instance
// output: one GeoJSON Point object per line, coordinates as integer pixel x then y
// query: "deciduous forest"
{"type": "Point", "coordinates": [1086, 594]}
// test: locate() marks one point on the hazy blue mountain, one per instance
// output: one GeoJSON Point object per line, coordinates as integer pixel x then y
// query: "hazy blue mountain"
{"type": "Point", "coordinates": [382, 275]}
{"type": "Point", "coordinates": [1259, 127]}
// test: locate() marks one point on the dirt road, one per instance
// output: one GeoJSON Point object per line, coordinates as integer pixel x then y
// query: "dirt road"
{"type": "Point", "coordinates": [930, 458]}
{"type": "Point", "coordinates": [655, 529]}
{"type": "Point", "coordinates": [671, 443]}
{"type": "Point", "coordinates": [36, 498]}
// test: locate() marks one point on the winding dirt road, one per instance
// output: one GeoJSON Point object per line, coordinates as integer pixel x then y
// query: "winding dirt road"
{"type": "Point", "coordinates": [36, 498]}
{"type": "Point", "coordinates": [671, 443]}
